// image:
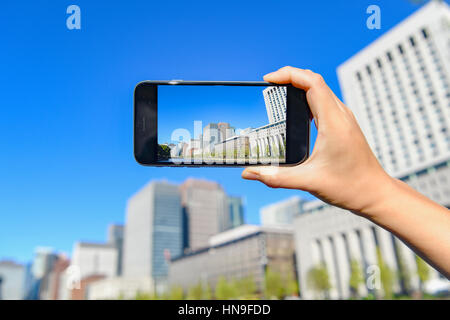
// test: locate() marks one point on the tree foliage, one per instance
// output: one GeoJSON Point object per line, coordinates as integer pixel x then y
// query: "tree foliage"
{"type": "Point", "coordinates": [356, 277]}
{"type": "Point", "coordinates": [319, 280]}
{"type": "Point", "coordinates": [196, 292]}
{"type": "Point", "coordinates": [273, 286]}
{"type": "Point", "coordinates": [176, 293]}
{"type": "Point", "coordinates": [386, 276]}
{"type": "Point", "coordinates": [163, 152]}
{"type": "Point", "coordinates": [423, 271]}
{"type": "Point", "coordinates": [225, 290]}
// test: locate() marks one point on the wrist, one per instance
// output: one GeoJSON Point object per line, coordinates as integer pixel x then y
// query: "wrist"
{"type": "Point", "coordinates": [383, 196]}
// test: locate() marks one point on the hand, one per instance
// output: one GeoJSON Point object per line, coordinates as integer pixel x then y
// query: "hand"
{"type": "Point", "coordinates": [342, 170]}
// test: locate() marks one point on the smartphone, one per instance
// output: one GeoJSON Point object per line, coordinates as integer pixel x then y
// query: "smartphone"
{"type": "Point", "coordinates": [220, 123]}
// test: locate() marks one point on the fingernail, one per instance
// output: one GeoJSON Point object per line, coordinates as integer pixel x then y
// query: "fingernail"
{"type": "Point", "coordinates": [250, 175]}
{"type": "Point", "coordinates": [269, 74]}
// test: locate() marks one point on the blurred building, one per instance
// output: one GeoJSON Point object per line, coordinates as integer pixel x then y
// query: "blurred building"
{"type": "Point", "coordinates": [93, 258]}
{"type": "Point", "coordinates": [12, 278]}
{"type": "Point", "coordinates": [236, 209]}
{"type": "Point", "coordinates": [245, 251]}
{"type": "Point", "coordinates": [52, 282]}
{"type": "Point", "coordinates": [82, 292]}
{"type": "Point", "coordinates": [281, 213]}
{"type": "Point", "coordinates": [398, 88]}
{"type": "Point", "coordinates": [119, 288]}
{"type": "Point", "coordinates": [91, 262]}
{"type": "Point", "coordinates": [37, 275]}
{"type": "Point", "coordinates": [153, 231]}
{"type": "Point", "coordinates": [43, 261]}
{"type": "Point", "coordinates": [206, 211]}
{"type": "Point", "coordinates": [275, 100]}
{"type": "Point", "coordinates": [334, 237]}
{"type": "Point", "coordinates": [115, 237]}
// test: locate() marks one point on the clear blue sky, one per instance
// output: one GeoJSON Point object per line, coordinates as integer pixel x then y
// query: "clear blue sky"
{"type": "Point", "coordinates": [180, 106]}
{"type": "Point", "coordinates": [66, 164]}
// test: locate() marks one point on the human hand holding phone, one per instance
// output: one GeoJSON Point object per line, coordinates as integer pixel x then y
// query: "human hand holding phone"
{"type": "Point", "coordinates": [343, 171]}
{"type": "Point", "coordinates": [342, 164]}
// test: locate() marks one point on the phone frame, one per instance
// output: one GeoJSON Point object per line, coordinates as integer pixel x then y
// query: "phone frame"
{"type": "Point", "coordinates": [145, 137]}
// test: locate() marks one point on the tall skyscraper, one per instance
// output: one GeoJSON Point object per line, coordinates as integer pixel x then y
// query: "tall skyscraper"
{"type": "Point", "coordinates": [398, 88]}
{"type": "Point", "coordinates": [236, 208]}
{"type": "Point", "coordinates": [153, 231]}
{"type": "Point", "coordinates": [281, 213]}
{"type": "Point", "coordinates": [211, 136]}
{"type": "Point", "coordinates": [226, 131]}
{"type": "Point", "coordinates": [206, 210]}
{"type": "Point", "coordinates": [275, 100]}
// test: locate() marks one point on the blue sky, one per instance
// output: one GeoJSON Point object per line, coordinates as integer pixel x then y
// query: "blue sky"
{"type": "Point", "coordinates": [180, 106]}
{"type": "Point", "coordinates": [66, 164]}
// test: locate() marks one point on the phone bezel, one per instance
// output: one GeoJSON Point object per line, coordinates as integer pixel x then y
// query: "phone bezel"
{"type": "Point", "coordinates": [297, 137]}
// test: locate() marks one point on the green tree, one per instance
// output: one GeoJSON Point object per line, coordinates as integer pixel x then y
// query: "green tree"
{"type": "Point", "coordinates": [291, 284]}
{"type": "Point", "coordinates": [195, 292]}
{"type": "Point", "coordinates": [423, 271]}
{"type": "Point", "coordinates": [356, 277]}
{"type": "Point", "coordinates": [273, 285]}
{"type": "Point", "coordinates": [386, 275]}
{"type": "Point", "coordinates": [319, 280]}
{"type": "Point", "coordinates": [163, 152]}
{"type": "Point", "coordinates": [246, 287]}
{"type": "Point", "coordinates": [404, 274]}
{"type": "Point", "coordinates": [225, 290]}
{"type": "Point", "coordinates": [145, 296]}
{"type": "Point", "coordinates": [207, 293]}
{"type": "Point", "coordinates": [176, 293]}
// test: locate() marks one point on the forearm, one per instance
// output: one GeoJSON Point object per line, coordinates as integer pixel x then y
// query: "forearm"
{"type": "Point", "coordinates": [421, 223]}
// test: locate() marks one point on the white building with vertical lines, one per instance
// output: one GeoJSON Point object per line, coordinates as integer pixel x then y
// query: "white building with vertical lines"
{"type": "Point", "coordinates": [398, 88]}
{"type": "Point", "coordinates": [275, 100]}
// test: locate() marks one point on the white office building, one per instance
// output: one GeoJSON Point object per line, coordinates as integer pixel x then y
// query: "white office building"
{"type": "Point", "coordinates": [281, 213]}
{"type": "Point", "coordinates": [398, 88]}
{"type": "Point", "coordinates": [12, 280]}
{"type": "Point", "coordinates": [275, 100]}
{"type": "Point", "coordinates": [92, 258]}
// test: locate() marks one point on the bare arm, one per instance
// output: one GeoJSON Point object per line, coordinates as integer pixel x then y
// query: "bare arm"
{"type": "Point", "coordinates": [343, 171]}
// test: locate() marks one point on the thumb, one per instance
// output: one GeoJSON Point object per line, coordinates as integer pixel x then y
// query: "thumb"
{"type": "Point", "coordinates": [276, 177]}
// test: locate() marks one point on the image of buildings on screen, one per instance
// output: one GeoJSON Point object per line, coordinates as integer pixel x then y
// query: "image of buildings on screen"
{"type": "Point", "coordinates": [221, 142]}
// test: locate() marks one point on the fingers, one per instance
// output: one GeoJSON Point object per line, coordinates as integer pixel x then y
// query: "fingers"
{"type": "Point", "coordinates": [300, 78]}
{"type": "Point", "coordinates": [278, 177]}
{"type": "Point", "coordinates": [320, 97]}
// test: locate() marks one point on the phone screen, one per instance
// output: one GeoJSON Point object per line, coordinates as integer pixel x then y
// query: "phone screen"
{"type": "Point", "coordinates": [221, 124]}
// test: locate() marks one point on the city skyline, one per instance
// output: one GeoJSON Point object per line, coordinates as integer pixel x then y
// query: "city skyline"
{"type": "Point", "coordinates": [83, 168]}
{"type": "Point", "coordinates": [222, 141]}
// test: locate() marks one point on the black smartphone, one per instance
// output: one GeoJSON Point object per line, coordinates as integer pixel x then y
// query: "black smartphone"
{"type": "Point", "coordinates": [220, 123]}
